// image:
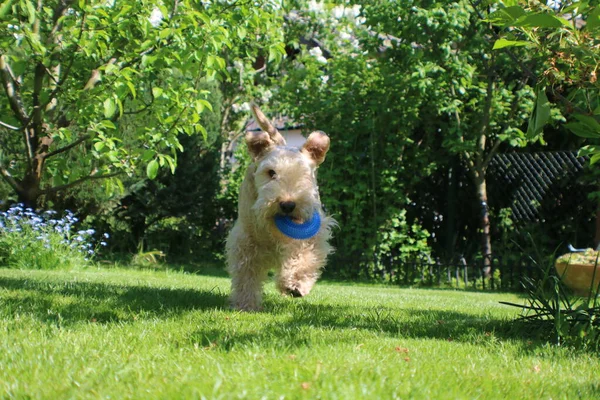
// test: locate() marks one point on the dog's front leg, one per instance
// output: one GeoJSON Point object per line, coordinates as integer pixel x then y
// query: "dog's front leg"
{"type": "Point", "coordinates": [246, 285]}
{"type": "Point", "coordinates": [299, 273]}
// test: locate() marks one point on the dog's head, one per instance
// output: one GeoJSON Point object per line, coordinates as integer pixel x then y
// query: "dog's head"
{"type": "Point", "coordinates": [285, 177]}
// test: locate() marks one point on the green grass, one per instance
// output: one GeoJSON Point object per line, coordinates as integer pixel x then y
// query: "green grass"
{"type": "Point", "coordinates": [154, 334]}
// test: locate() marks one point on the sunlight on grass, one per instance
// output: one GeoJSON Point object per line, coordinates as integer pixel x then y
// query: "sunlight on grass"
{"type": "Point", "coordinates": [148, 334]}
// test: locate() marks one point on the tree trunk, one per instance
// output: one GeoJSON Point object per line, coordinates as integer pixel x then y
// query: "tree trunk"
{"type": "Point", "coordinates": [597, 236]}
{"type": "Point", "coordinates": [450, 217]}
{"type": "Point", "coordinates": [484, 225]}
{"type": "Point", "coordinates": [37, 149]}
{"type": "Point", "coordinates": [29, 194]}
{"type": "Point", "coordinates": [481, 163]}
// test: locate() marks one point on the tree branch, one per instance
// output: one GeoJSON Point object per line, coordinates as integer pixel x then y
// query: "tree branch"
{"type": "Point", "coordinates": [137, 58]}
{"type": "Point", "coordinates": [11, 88]}
{"type": "Point", "coordinates": [529, 73]}
{"type": "Point", "coordinates": [59, 11]}
{"type": "Point", "coordinates": [174, 10]}
{"type": "Point", "coordinates": [491, 155]}
{"type": "Point", "coordinates": [146, 106]}
{"type": "Point", "coordinates": [484, 128]}
{"type": "Point", "coordinates": [38, 84]}
{"type": "Point", "coordinates": [8, 178]}
{"type": "Point", "coordinates": [78, 182]}
{"type": "Point", "coordinates": [67, 147]}
{"type": "Point", "coordinates": [7, 126]}
{"type": "Point", "coordinates": [65, 76]}
{"type": "Point", "coordinates": [513, 109]}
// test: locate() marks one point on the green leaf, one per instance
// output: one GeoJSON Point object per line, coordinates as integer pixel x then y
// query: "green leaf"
{"type": "Point", "coordinates": [588, 150]}
{"type": "Point", "coordinates": [575, 8]}
{"type": "Point", "coordinates": [506, 15]}
{"type": "Point", "coordinates": [582, 130]}
{"type": "Point", "coordinates": [502, 43]}
{"type": "Point", "coordinates": [595, 158]}
{"type": "Point", "coordinates": [157, 92]}
{"type": "Point", "coordinates": [148, 155]}
{"type": "Point", "coordinates": [171, 163]}
{"type": "Point", "coordinates": [241, 32]}
{"type": "Point", "coordinates": [152, 169]}
{"type": "Point", "coordinates": [591, 122]}
{"type": "Point", "coordinates": [109, 107]}
{"type": "Point", "coordinates": [30, 11]}
{"type": "Point", "coordinates": [201, 104]}
{"type": "Point", "coordinates": [203, 132]}
{"type": "Point", "coordinates": [119, 184]}
{"type": "Point", "coordinates": [107, 124]}
{"type": "Point", "coordinates": [276, 52]}
{"type": "Point", "coordinates": [5, 7]}
{"type": "Point", "coordinates": [593, 21]}
{"type": "Point", "coordinates": [99, 146]}
{"type": "Point", "coordinates": [132, 89]}
{"type": "Point", "coordinates": [120, 104]}
{"type": "Point", "coordinates": [542, 20]}
{"type": "Point", "coordinates": [165, 33]}
{"type": "Point", "coordinates": [540, 114]}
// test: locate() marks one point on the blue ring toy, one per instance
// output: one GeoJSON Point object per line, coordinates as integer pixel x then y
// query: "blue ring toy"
{"type": "Point", "coordinates": [302, 231]}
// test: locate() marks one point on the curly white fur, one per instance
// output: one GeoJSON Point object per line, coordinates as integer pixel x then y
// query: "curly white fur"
{"type": "Point", "coordinates": [254, 245]}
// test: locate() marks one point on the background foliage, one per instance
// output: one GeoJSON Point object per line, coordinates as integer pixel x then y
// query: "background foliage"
{"type": "Point", "coordinates": [416, 95]}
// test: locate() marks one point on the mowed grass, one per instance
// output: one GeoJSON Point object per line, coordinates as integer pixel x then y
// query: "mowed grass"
{"type": "Point", "coordinates": [119, 334]}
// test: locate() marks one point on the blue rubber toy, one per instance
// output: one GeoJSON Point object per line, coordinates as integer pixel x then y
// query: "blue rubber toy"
{"type": "Point", "coordinates": [302, 231]}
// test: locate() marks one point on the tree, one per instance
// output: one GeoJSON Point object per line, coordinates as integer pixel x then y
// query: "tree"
{"type": "Point", "coordinates": [177, 208]}
{"type": "Point", "coordinates": [96, 90]}
{"type": "Point", "coordinates": [562, 61]}
{"type": "Point", "coordinates": [406, 88]}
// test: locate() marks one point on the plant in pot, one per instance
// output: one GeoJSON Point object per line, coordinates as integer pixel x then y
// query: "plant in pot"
{"type": "Point", "coordinates": [580, 271]}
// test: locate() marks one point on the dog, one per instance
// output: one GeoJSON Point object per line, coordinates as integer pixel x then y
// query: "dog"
{"type": "Point", "coordinates": [280, 181]}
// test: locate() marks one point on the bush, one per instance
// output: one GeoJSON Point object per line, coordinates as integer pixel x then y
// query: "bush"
{"type": "Point", "coordinates": [40, 241]}
{"type": "Point", "coordinates": [559, 316]}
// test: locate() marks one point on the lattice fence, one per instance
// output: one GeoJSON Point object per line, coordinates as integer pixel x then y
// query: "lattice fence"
{"type": "Point", "coordinates": [535, 177]}
{"type": "Point", "coordinates": [543, 189]}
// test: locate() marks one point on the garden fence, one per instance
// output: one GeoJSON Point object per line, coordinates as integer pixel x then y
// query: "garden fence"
{"type": "Point", "coordinates": [504, 272]}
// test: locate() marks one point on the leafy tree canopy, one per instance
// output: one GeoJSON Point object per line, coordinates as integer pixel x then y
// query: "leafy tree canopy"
{"type": "Point", "coordinates": [98, 89]}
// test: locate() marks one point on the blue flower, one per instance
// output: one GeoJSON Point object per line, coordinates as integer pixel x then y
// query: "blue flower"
{"type": "Point", "coordinates": [26, 227]}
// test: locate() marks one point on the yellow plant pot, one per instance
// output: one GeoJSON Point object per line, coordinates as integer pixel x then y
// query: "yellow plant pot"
{"type": "Point", "coordinates": [578, 277]}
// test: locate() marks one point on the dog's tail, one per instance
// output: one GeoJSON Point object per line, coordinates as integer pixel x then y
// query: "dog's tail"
{"type": "Point", "coordinates": [266, 125]}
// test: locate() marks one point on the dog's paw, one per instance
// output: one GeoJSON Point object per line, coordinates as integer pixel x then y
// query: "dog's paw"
{"type": "Point", "coordinates": [296, 291]}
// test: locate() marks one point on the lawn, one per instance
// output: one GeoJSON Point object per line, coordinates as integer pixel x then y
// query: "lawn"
{"type": "Point", "coordinates": [117, 333]}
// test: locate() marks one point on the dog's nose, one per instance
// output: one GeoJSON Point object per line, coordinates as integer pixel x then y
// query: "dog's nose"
{"type": "Point", "coordinates": [287, 206]}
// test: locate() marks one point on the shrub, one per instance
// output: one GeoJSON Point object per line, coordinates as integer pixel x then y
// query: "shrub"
{"type": "Point", "coordinates": [559, 316]}
{"type": "Point", "coordinates": [29, 240]}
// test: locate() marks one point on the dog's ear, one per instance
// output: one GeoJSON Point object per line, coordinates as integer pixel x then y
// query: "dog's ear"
{"type": "Point", "coordinates": [266, 126]}
{"type": "Point", "coordinates": [316, 146]}
{"type": "Point", "coordinates": [258, 143]}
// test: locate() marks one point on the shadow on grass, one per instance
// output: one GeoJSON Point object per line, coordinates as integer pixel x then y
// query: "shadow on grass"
{"type": "Point", "coordinates": [286, 322]}
{"type": "Point", "coordinates": [66, 303]}
{"type": "Point", "coordinates": [315, 324]}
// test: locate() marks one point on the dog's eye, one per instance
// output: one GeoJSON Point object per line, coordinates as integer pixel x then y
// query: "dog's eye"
{"type": "Point", "coordinates": [272, 173]}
